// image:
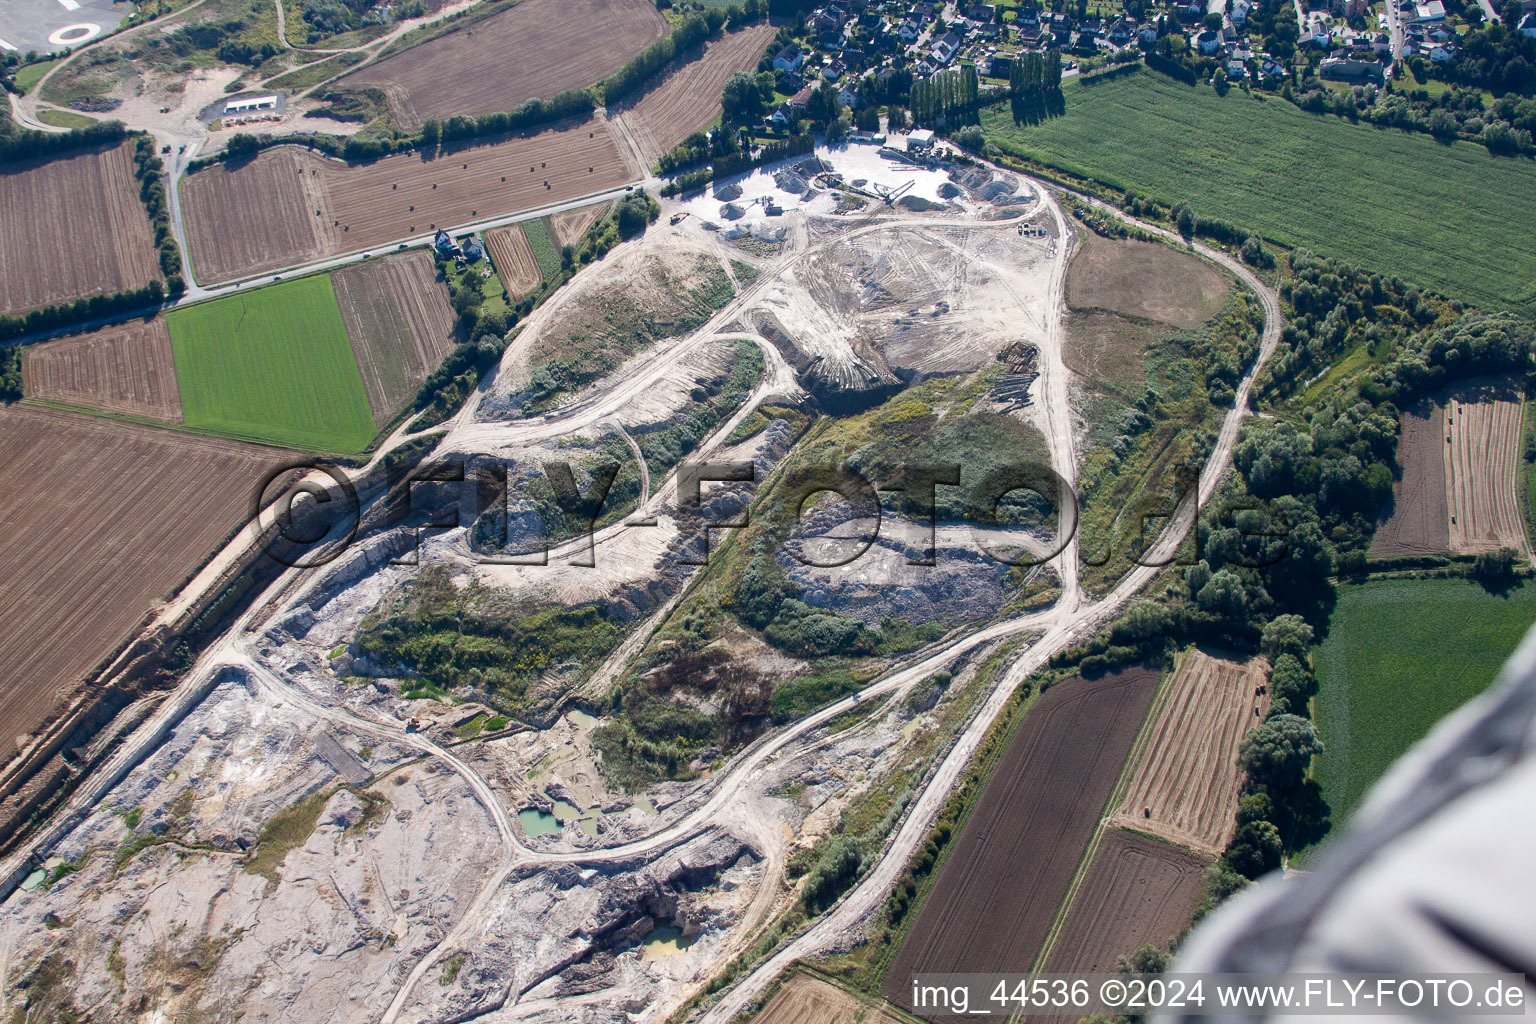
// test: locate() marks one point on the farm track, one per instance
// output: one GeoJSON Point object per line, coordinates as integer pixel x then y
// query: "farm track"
{"type": "Point", "coordinates": [83, 212]}
{"type": "Point", "coordinates": [128, 368]}
{"type": "Point", "coordinates": [532, 50]}
{"type": "Point", "coordinates": [1186, 784]}
{"type": "Point", "coordinates": [289, 205]}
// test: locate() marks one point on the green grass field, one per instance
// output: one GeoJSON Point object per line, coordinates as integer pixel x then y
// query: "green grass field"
{"type": "Point", "coordinates": [1400, 655]}
{"type": "Point", "coordinates": [27, 78]}
{"type": "Point", "coordinates": [1450, 217]}
{"type": "Point", "coordinates": [272, 365]}
{"type": "Point", "coordinates": [545, 252]}
{"type": "Point", "coordinates": [65, 119]}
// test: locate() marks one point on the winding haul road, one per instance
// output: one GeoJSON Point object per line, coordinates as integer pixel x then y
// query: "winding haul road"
{"type": "Point", "coordinates": [1069, 620]}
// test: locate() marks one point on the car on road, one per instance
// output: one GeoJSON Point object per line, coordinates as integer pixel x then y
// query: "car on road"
{"type": "Point", "coordinates": [367, 254]}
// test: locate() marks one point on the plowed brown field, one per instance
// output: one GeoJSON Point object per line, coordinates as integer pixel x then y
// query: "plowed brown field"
{"type": "Point", "coordinates": [1002, 884]}
{"type": "Point", "coordinates": [805, 999]}
{"type": "Point", "coordinates": [1420, 521]}
{"type": "Point", "coordinates": [533, 50]}
{"type": "Point", "coordinates": [1482, 424]}
{"type": "Point", "coordinates": [1137, 891]}
{"type": "Point", "coordinates": [73, 227]}
{"type": "Point", "coordinates": [103, 519]}
{"type": "Point", "coordinates": [1186, 785]}
{"type": "Point", "coordinates": [289, 205]}
{"type": "Point", "coordinates": [513, 257]}
{"type": "Point", "coordinates": [124, 368]}
{"type": "Point", "coordinates": [570, 225]}
{"type": "Point", "coordinates": [688, 100]}
{"type": "Point", "coordinates": [400, 325]}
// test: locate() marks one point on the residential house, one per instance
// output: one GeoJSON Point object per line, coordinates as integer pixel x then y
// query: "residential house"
{"type": "Point", "coordinates": [1442, 53]}
{"type": "Point", "coordinates": [472, 248]}
{"type": "Point", "coordinates": [1348, 69]}
{"type": "Point", "coordinates": [848, 96]}
{"type": "Point", "coordinates": [1000, 65]}
{"type": "Point", "coordinates": [1208, 42]}
{"type": "Point", "coordinates": [1239, 10]}
{"type": "Point", "coordinates": [909, 30]}
{"type": "Point", "coordinates": [1381, 43]}
{"type": "Point", "coordinates": [1528, 25]}
{"type": "Point", "coordinates": [1120, 33]}
{"type": "Point", "coordinates": [444, 244]}
{"type": "Point", "coordinates": [1272, 69]}
{"type": "Point", "coordinates": [1147, 34]}
{"type": "Point", "coordinates": [833, 71]}
{"type": "Point", "coordinates": [799, 103]}
{"type": "Point", "coordinates": [1236, 70]}
{"type": "Point", "coordinates": [789, 82]}
{"type": "Point", "coordinates": [944, 47]}
{"type": "Point", "coordinates": [788, 59]}
{"type": "Point", "coordinates": [1320, 37]}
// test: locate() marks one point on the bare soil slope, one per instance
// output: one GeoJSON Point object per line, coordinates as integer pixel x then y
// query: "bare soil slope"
{"type": "Point", "coordinates": [533, 50]}
{"type": "Point", "coordinates": [289, 205]}
{"type": "Point", "coordinates": [73, 227]}
{"type": "Point", "coordinates": [127, 368]}
{"type": "Point", "coordinates": [400, 324]}
{"type": "Point", "coordinates": [1186, 784]}
{"type": "Point", "coordinates": [104, 519]}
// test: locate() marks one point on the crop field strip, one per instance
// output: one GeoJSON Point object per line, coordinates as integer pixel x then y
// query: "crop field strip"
{"type": "Point", "coordinates": [1025, 838]}
{"type": "Point", "coordinates": [1186, 783]}
{"type": "Point", "coordinates": [532, 50]}
{"type": "Point", "coordinates": [73, 227]}
{"type": "Point", "coordinates": [289, 205]}
{"type": "Point", "coordinates": [688, 99]}
{"type": "Point", "coordinates": [1452, 217]}
{"type": "Point", "coordinates": [513, 258]}
{"type": "Point", "coordinates": [1139, 890]}
{"type": "Point", "coordinates": [541, 243]}
{"type": "Point", "coordinates": [1482, 457]}
{"type": "Point", "coordinates": [567, 227]}
{"type": "Point", "coordinates": [273, 365]}
{"type": "Point", "coordinates": [103, 519]}
{"type": "Point", "coordinates": [126, 368]}
{"type": "Point", "coordinates": [806, 999]}
{"type": "Point", "coordinates": [1147, 280]}
{"type": "Point", "coordinates": [1400, 655]}
{"type": "Point", "coordinates": [1420, 520]}
{"type": "Point", "coordinates": [400, 325]}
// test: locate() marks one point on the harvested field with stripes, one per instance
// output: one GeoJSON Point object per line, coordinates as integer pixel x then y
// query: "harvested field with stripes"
{"type": "Point", "coordinates": [530, 51]}
{"type": "Point", "coordinates": [1137, 891]}
{"type": "Point", "coordinates": [105, 519]}
{"type": "Point", "coordinates": [1459, 490]}
{"type": "Point", "coordinates": [289, 205]}
{"type": "Point", "coordinates": [400, 325]}
{"type": "Point", "coordinates": [806, 999]}
{"type": "Point", "coordinates": [688, 100]}
{"type": "Point", "coordinates": [567, 227]}
{"type": "Point", "coordinates": [84, 212]}
{"type": "Point", "coordinates": [1186, 785]}
{"type": "Point", "coordinates": [510, 252]}
{"type": "Point", "coordinates": [1482, 453]}
{"type": "Point", "coordinates": [1009, 869]}
{"type": "Point", "coordinates": [127, 368]}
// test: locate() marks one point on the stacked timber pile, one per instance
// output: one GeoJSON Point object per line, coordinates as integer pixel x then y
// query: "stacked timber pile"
{"type": "Point", "coordinates": [1013, 386]}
